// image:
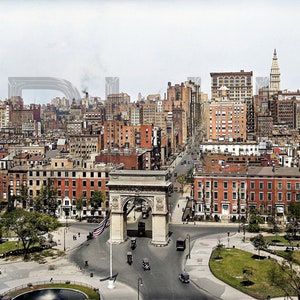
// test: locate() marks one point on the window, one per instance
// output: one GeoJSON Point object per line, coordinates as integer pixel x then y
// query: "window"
{"type": "Point", "coordinates": [84, 174]}
{"type": "Point", "coordinates": [216, 195]}
{"type": "Point", "coordinates": [234, 195]}
{"type": "Point", "coordinates": [242, 185]}
{"type": "Point", "coordinates": [297, 186]}
{"type": "Point", "coordinates": [215, 207]}
{"type": "Point", "coordinates": [207, 184]}
{"type": "Point", "coordinates": [84, 194]}
{"type": "Point", "coordinates": [199, 184]}
{"type": "Point", "coordinates": [215, 184]}
{"type": "Point", "coordinates": [261, 185]}
{"type": "Point", "coordinates": [269, 196]}
{"type": "Point", "coordinates": [37, 182]}
{"type": "Point", "coordinates": [73, 174]}
{"type": "Point", "coordinates": [67, 174]}
{"type": "Point", "coordinates": [207, 195]}
{"type": "Point", "coordinates": [288, 186]}
{"type": "Point", "coordinates": [74, 183]}
{"type": "Point", "coordinates": [99, 183]}
{"type": "Point", "coordinates": [225, 196]}
{"type": "Point", "coordinates": [269, 185]}
{"type": "Point", "coordinates": [261, 196]}
{"type": "Point", "coordinates": [279, 185]}
{"type": "Point", "coordinates": [279, 196]}
{"type": "Point", "coordinates": [252, 185]}
{"type": "Point", "coordinates": [66, 182]}
{"type": "Point", "coordinates": [58, 174]}
{"type": "Point", "coordinates": [74, 194]}
{"type": "Point", "coordinates": [92, 174]}
{"type": "Point", "coordinates": [233, 184]}
{"type": "Point", "coordinates": [225, 184]}
{"type": "Point", "coordinates": [288, 196]}
{"type": "Point", "coordinates": [66, 193]}
{"type": "Point", "coordinates": [92, 183]}
{"type": "Point", "coordinates": [84, 183]}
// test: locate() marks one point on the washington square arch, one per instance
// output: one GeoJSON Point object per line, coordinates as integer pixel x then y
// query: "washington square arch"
{"type": "Point", "coordinates": [132, 186]}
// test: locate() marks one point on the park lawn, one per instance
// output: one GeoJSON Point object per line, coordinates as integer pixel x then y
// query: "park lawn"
{"type": "Point", "coordinates": [9, 246]}
{"type": "Point", "coordinates": [294, 256]}
{"type": "Point", "coordinates": [230, 269]}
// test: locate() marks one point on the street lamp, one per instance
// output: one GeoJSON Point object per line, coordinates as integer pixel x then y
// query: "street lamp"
{"type": "Point", "coordinates": [65, 230]}
{"type": "Point", "coordinates": [140, 283]}
{"type": "Point", "coordinates": [189, 238]}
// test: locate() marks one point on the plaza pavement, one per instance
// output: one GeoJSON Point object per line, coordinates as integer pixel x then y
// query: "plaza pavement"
{"type": "Point", "coordinates": [14, 274]}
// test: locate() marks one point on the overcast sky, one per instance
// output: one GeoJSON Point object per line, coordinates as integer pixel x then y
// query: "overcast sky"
{"type": "Point", "coordinates": [145, 43]}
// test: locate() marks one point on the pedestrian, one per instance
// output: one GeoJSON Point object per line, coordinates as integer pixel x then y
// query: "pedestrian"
{"type": "Point", "coordinates": [178, 205]}
{"type": "Point", "coordinates": [51, 279]}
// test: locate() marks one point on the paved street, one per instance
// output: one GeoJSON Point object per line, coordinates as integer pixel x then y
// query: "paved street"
{"type": "Point", "coordinates": [18, 273]}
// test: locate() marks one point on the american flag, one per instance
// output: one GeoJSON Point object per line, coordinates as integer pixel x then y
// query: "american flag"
{"type": "Point", "coordinates": [102, 225]}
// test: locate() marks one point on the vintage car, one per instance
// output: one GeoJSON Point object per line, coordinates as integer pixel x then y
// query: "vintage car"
{"type": "Point", "coordinates": [184, 277]}
{"type": "Point", "coordinates": [146, 264]}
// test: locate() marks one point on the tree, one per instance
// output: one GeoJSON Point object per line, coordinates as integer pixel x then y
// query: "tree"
{"type": "Point", "coordinates": [96, 200]}
{"type": "Point", "coordinates": [254, 220]}
{"type": "Point", "coordinates": [79, 206]}
{"type": "Point", "coordinates": [45, 201]}
{"type": "Point", "coordinates": [259, 242]}
{"type": "Point", "coordinates": [29, 227]}
{"type": "Point", "coordinates": [285, 277]}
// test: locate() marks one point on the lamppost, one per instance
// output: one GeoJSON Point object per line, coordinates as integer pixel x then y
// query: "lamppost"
{"type": "Point", "coordinates": [65, 230]}
{"type": "Point", "coordinates": [140, 283]}
{"type": "Point", "coordinates": [189, 238]}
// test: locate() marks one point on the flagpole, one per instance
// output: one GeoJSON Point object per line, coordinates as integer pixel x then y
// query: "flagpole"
{"type": "Point", "coordinates": [111, 280]}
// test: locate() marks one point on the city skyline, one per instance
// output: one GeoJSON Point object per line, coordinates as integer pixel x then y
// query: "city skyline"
{"type": "Point", "coordinates": [144, 43]}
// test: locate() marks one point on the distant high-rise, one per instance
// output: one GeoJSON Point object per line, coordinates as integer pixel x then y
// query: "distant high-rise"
{"type": "Point", "coordinates": [111, 86]}
{"type": "Point", "coordinates": [275, 73]}
{"type": "Point", "coordinates": [196, 80]}
{"type": "Point", "coordinates": [261, 82]}
{"type": "Point", "coordinates": [239, 85]}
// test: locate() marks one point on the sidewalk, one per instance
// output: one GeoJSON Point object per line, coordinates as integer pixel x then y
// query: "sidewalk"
{"type": "Point", "coordinates": [17, 273]}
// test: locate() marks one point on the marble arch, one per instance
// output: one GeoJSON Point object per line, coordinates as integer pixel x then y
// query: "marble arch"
{"type": "Point", "coordinates": [151, 186]}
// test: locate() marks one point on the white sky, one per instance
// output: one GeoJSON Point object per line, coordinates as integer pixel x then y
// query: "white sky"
{"type": "Point", "coordinates": [145, 43]}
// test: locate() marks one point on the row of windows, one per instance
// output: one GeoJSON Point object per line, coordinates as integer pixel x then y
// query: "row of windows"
{"type": "Point", "coordinates": [67, 174]}
{"type": "Point", "coordinates": [278, 196]}
{"type": "Point", "coordinates": [225, 184]}
{"type": "Point", "coordinates": [234, 195]}
{"type": "Point", "coordinates": [66, 182]}
{"type": "Point", "coordinates": [261, 185]}
{"type": "Point", "coordinates": [242, 196]}
{"type": "Point", "coordinates": [66, 193]}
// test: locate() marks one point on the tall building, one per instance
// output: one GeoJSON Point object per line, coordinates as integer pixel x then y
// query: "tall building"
{"type": "Point", "coordinates": [261, 82]}
{"type": "Point", "coordinates": [228, 120]}
{"type": "Point", "coordinates": [111, 86]}
{"type": "Point", "coordinates": [275, 73]}
{"type": "Point", "coordinates": [239, 84]}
